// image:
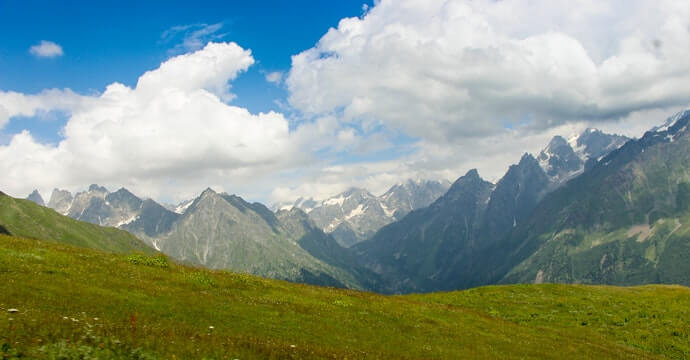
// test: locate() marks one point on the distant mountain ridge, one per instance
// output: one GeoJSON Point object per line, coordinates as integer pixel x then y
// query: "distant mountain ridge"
{"type": "Point", "coordinates": [595, 208]}
{"type": "Point", "coordinates": [224, 232]}
{"type": "Point", "coordinates": [355, 214]}
{"type": "Point", "coordinates": [564, 159]}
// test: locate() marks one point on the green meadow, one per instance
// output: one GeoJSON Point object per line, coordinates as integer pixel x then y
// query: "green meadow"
{"type": "Point", "coordinates": [58, 301]}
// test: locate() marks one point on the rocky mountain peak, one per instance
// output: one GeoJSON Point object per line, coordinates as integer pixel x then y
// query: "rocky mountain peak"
{"type": "Point", "coordinates": [36, 197]}
{"type": "Point", "coordinates": [60, 201]}
{"type": "Point", "coordinates": [472, 173]}
{"type": "Point", "coordinates": [556, 143]}
{"type": "Point", "coordinates": [679, 117]}
{"type": "Point", "coordinates": [471, 182]}
{"type": "Point", "coordinates": [97, 188]}
{"type": "Point", "coordinates": [208, 191]}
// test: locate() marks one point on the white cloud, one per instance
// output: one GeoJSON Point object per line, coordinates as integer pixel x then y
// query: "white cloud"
{"type": "Point", "coordinates": [275, 77]}
{"type": "Point", "coordinates": [170, 136]}
{"type": "Point", "coordinates": [17, 104]}
{"type": "Point", "coordinates": [449, 70]}
{"type": "Point", "coordinates": [473, 83]}
{"type": "Point", "coordinates": [491, 155]}
{"type": "Point", "coordinates": [46, 49]}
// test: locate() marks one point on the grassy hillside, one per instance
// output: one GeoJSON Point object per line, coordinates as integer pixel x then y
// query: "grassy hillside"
{"type": "Point", "coordinates": [25, 218]}
{"type": "Point", "coordinates": [76, 302]}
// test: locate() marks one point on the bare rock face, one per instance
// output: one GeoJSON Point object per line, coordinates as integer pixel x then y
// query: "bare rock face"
{"type": "Point", "coordinates": [60, 201]}
{"type": "Point", "coordinates": [356, 214]}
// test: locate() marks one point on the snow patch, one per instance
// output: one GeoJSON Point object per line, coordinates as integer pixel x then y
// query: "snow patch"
{"type": "Point", "coordinates": [128, 221]}
{"type": "Point", "coordinates": [334, 224]}
{"type": "Point", "coordinates": [335, 201]}
{"type": "Point", "coordinates": [389, 212]}
{"type": "Point", "coordinates": [183, 207]}
{"type": "Point", "coordinates": [544, 161]}
{"type": "Point", "coordinates": [671, 121]}
{"type": "Point", "coordinates": [359, 210]}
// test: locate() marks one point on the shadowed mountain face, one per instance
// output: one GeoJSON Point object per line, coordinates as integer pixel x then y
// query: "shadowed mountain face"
{"type": "Point", "coordinates": [625, 221]}
{"type": "Point", "coordinates": [421, 252]}
{"type": "Point", "coordinates": [441, 248]}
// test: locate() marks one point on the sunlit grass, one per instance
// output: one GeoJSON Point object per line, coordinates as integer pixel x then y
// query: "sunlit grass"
{"type": "Point", "coordinates": [80, 303]}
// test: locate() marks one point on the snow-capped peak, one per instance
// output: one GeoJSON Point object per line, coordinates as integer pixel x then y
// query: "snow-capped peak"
{"type": "Point", "coordinates": [671, 121]}
{"type": "Point", "coordinates": [183, 206]}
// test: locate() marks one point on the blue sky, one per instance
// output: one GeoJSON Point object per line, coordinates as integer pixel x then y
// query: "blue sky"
{"type": "Point", "coordinates": [377, 91]}
{"type": "Point", "coordinates": [108, 41]}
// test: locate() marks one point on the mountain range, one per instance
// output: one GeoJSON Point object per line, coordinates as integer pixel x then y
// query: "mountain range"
{"type": "Point", "coordinates": [609, 215]}
{"type": "Point", "coordinates": [594, 208]}
{"type": "Point", "coordinates": [355, 215]}
{"type": "Point", "coordinates": [221, 231]}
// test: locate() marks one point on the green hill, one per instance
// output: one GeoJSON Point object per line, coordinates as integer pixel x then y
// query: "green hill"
{"type": "Point", "coordinates": [25, 218]}
{"type": "Point", "coordinates": [69, 302]}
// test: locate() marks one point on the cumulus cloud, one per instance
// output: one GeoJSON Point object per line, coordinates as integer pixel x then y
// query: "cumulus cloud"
{"type": "Point", "coordinates": [47, 49]}
{"type": "Point", "coordinates": [170, 135]}
{"type": "Point", "coordinates": [450, 70]}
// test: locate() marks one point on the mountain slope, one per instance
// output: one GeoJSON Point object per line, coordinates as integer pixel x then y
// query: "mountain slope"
{"type": "Point", "coordinates": [625, 221]}
{"type": "Point", "coordinates": [456, 258]}
{"type": "Point", "coordinates": [77, 303]}
{"type": "Point", "coordinates": [25, 218]}
{"type": "Point", "coordinates": [222, 231]}
{"type": "Point", "coordinates": [421, 252]}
